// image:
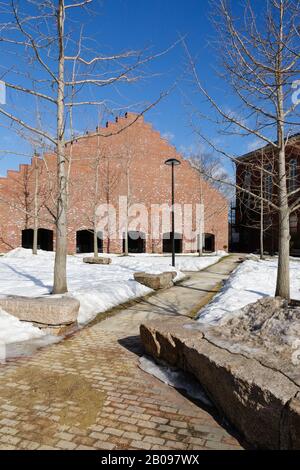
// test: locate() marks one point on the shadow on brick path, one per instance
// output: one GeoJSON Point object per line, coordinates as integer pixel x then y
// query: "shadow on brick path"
{"type": "Point", "coordinates": [96, 396]}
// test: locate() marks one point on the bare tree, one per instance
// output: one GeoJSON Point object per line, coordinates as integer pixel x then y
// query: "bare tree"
{"type": "Point", "coordinates": [259, 63]}
{"type": "Point", "coordinates": [126, 154]}
{"type": "Point", "coordinates": [26, 195]}
{"type": "Point", "coordinates": [39, 147]}
{"type": "Point", "coordinates": [111, 177]}
{"type": "Point", "coordinates": [96, 196]}
{"type": "Point", "coordinates": [59, 69]}
{"type": "Point", "coordinates": [211, 169]}
{"type": "Point", "coordinates": [256, 214]}
{"type": "Point", "coordinates": [96, 169]}
{"type": "Point", "coordinates": [36, 207]}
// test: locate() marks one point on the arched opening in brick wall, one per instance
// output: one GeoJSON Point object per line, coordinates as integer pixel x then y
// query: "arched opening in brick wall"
{"type": "Point", "coordinates": [44, 241]}
{"type": "Point", "coordinates": [167, 242]}
{"type": "Point", "coordinates": [85, 241]}
{"type": "Point", "coordinates": [136, 242]}
{"type": "Point", "coordinates": [209, 242]}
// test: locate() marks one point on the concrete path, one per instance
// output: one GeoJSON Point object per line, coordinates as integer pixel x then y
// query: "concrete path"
{"type": "Point", "coordinates": [88, 392]}
{"type": "Point", "coordinates": [186, 298]}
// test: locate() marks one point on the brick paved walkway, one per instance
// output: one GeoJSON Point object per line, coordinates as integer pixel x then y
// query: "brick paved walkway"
{"type": "Point", "coordinates": [88, 392]}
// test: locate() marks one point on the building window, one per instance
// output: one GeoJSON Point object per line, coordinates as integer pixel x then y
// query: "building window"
{"type": "Point", "coordinates": [268, 182]}
{"type": "Point", "coordinates": [247, 187]}
{"type": "Point", "coordinates": [293, 223]}
{"type": "Point", "coordinates": [293, 175]}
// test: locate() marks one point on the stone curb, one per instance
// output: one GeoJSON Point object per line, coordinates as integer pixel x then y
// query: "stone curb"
{"type": "Point", "coordinates": [261, 403]}
{"type": "Point", "coordinates": [44, 311]}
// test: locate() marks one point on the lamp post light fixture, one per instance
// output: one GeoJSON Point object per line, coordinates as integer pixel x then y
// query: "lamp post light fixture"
{"type": "Point", "coordinates": [173, 162]}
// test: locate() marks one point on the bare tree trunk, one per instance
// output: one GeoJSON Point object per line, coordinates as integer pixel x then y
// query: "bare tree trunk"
{"type": "Point", "coordinates": [261, 240]}
{"type": "Point", "coordinates": [60, 276]}
{"type": "Point", "coordinates": [126, 249]}
{"type": "Point", "coordinates": [36, 203]}
{"type": "Point", "coordinates": [96, 251]}
{"type": "Point", "coordinates": [107, 202]}
{"type": "Point", "coordinates": [201, 219]}
{"type": "Point", "coordinates": [261, 211]}
{"type": "Point", "coordinates": [200, 248]}
{"type": "Point", "coordinates": [283, 273]}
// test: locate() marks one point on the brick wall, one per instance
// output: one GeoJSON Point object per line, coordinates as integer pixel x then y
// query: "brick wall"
{"type": "Point", "coordinates": [248, 208]}
{"type": "Point", "coordinates": [131, 163]}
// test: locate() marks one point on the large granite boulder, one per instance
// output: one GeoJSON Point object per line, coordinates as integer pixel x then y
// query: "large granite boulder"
{"type": "Point", "coordinates": [257, 399]}
{"type": "Point", "coordinates": [43, 311]}
{"type": "Point", "coordinates": [155, 281]}
{"type": "Point", "coordinates": [290, 435]}
{"type": "Point", "coordinates": [267, 330]}
{"type": "Point", "coordinates": [96, 260]}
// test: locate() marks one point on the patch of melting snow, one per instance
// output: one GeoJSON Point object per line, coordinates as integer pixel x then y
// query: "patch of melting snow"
{"type": "Point", "coordinates": [27, 347]}
{"type": "Point", "coordinates": [175, 378]}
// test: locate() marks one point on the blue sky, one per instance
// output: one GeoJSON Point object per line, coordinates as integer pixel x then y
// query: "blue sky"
{"type": "Point", "coordinates": [137, 24]}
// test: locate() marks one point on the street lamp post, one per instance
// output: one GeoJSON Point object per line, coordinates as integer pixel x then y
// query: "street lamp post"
{"type": "Point", "coordinates": [173, 162]}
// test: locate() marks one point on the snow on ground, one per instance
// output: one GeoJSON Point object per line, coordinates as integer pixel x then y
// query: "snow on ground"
{"type": "Point", "coordinates": [97, 287]}
{"type": "Point", "coordinates": [175, 378]}
{"type": "Point", "coordinates": [159, 263]}
{"type": "Point", "coordinates": [13, 330]}
{"type": "Point", "coordinates": [251, 281]}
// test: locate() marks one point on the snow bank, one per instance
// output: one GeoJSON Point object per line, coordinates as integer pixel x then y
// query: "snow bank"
{"type": "Point", "coordinates": [251, 281]}
{"type": "Point", "coordinates": [13, 330]}
{"type": "Point", "coordinates": [156, 263]}
{"type": "Point", "coordinates": [106, 296]}
{"type": "Point", "coordinates": [267, 330]}
{"type": "Point", "coordinates": [25, 253]}
{"type": "Point", "coordinates": [97, 287]}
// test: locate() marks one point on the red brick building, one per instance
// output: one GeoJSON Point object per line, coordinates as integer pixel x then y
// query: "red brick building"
{"type": "Point", "coordinates": [257, 171]}
{"type": "Point", "coordinates": [125, 159]}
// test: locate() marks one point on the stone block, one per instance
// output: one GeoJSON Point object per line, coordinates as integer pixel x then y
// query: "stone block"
{"type": "Point", "coordinates": [290, 433]}
{"type": "Point", "coordinates": [58, 330]}
{"type": "Point", "coordinates": [253, 397]}
{"type": "Point", "coordinates": [48, 310]}
{"type": "Point", "coordinates": [155, 281]}
{"type": "Point", "coordinates": [95, 260]}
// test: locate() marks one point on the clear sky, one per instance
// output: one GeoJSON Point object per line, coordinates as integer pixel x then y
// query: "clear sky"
{"type": "Point", "coordinates": [136, 24]}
